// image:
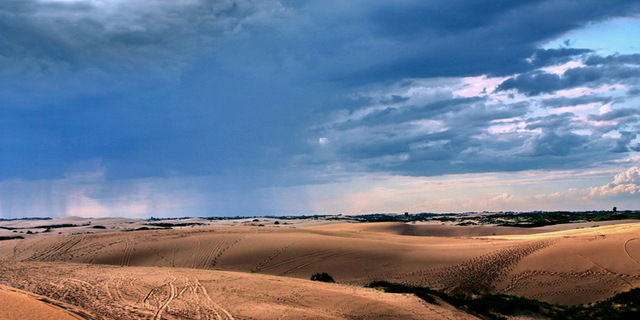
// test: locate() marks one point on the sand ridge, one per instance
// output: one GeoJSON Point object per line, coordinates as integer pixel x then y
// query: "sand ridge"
{"type": "Point", "coordinates": [431, 229]}
{"type": "Point", "coordinates": [115, 292]}
{"type": "Point", "coordinates": [599, 261]}
{"type": "Point", "coordinates": [17, 304]}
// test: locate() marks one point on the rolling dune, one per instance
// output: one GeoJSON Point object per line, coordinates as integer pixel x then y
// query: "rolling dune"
{"type": "Point", "coordinates": [570, 266]}
{"type": "Point", "coordinates": [112, 292]}
{"type": "Point", "coordinates": [21, 305]}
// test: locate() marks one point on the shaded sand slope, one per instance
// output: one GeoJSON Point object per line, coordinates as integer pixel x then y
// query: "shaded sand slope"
{"type": "Point", "coordinates": [571, 266]}
{"type": "Point", "coordinates": [428, 230]}
{"type": "Point", "coordinates": [174, 293]}
{"type": "Point", "coordinates": [593, 262]}
{"type": "Point", "coordinates": [21, 305]}
{"type": "Point", "coordinates": [286, 252]}
{"type": "Point", "coordinates": [39, 228]}
{"type": "Point", "coordinates": [439, 230]}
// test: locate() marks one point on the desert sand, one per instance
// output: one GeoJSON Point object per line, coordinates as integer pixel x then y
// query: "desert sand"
{"type": "Point", "coordinates": [111, 292]}
{"type": "Point", "coordinates": [21, 305]}
{"type": "Point", "coordinates": [243, 271]}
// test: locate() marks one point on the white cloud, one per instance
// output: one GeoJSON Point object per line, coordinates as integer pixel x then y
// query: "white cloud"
{"type": "Point", "coordinates": [631, 176]}
{"type": "Point", "coordinates": [100, 37]}
{"type": "Point", "coordinates": [503, 197]}
{"type": "Point", "coordinates": [323, 141]}
{"type": "Point", "coordinates": [86, 192]}
{"type": "Point", "coordinates": [521, 191]}
{"type": "Point", "coordinates": [624, 183]}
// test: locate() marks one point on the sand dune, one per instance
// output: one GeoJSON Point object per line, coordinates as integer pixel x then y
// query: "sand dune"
{"type": "Point", "coordinates": [21, 305]}
{"type": "Point", "coordinates": [42, 228]}
{"type": "Point", "coordinates": [440, 230]}
{"type": "Point", "coordinates": [570, 266]}
{"type": "Point", "coordinates": [425, 230]}
{"type": "Point", "coordinates": [112, 292]}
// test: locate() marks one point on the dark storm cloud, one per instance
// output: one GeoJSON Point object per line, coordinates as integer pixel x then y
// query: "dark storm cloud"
{"type": "Point", "coordinates": [599, 70]}
{"type": "Point", "coordinates": [553, 144]}
{"type": "Point", "coordinates": [478, 37]}
{"type": "Point", "coordinates": [415, 141]}
{"type": "Point", "coordinates": [550, 122]}
{"type": "Point", "coordinates": [560, 102]}
{"type": "Point", "coordinates": [616, 114]}
{"type": "Point", "coordinates": [66, 38]}
{"type": "Point", "coordinates": [357, 41]}
{"type": "Point", "coordinates": [622, 145]}
{"type": "Point", "coordinates": [231, 88]}
{"type": "Point", "coordinates": [394, 115]}
{"type": "Point", "coordinates": [539, 82]}
{"type": "Point", "coordinates": [547, 57]}
{"type": "Point", "coordinates": [480, 134]}
{"type": "Point", "coordinates": [613, 59]}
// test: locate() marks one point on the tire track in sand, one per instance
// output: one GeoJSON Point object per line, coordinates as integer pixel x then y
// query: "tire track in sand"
{"type": "Point", "coordinates": [626, 250]}
{"type": "Point", "coordinates": [263, 264]}
{"type": "Point", "coordinates": [312, 261]}
{"type": "Point", "coordinates": [172, 295]}
{"type": "Point", "coordinates": [223, 250]}
{"type": "Point", "coordinates": [129, 244]}
{"type": "Point", "coordinates": [225, 314]}
{"type": "Point", "coordinates": [295, 259]}
{"type": "Point", "coordinates": [607, 270]}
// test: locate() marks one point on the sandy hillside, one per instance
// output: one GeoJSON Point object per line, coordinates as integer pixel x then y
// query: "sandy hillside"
{"type": "Point", "coordinates": [425, 230]}
{"type": "Point", "coordinates": [111, 292]}
{"type": "Point", "coordinates": [569, 266]}
{"type": "Point", "coordinates": [21, 305]}
{"type": "Point", "coordinates": [41, 228]}
{"type": "Point", "coordinates": [432, 229]}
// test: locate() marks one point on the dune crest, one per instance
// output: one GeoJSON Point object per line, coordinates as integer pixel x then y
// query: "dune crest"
{"type": "Point", "coordinates": [17, 304]}
{"type": "Point", "coordinates": [570, 266]}
{"type": "Point", "coordinates": [175, 293]}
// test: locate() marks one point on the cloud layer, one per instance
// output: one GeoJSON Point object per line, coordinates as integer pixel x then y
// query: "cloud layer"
{"type": "Point", "coordinates": [237, 98]}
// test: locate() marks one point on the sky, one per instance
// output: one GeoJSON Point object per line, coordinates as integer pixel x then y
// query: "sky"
{"type": "Point", "coordinates": [171, 108]}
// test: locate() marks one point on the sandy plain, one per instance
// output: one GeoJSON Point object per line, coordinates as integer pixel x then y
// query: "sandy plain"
{"type": "Point", "coordinates": [18, 304]}
{"type": "Point", "coordinates": [244, 271]}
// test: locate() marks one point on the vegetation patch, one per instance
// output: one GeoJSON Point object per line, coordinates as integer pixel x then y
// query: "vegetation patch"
{"type": "Point", "coordinates": [145, 228]}
{"type": "Point", "coordinates": [169, 224]}
{"type": "Point", "coordinates": [10, 237]}
{"type": "Point", "coordinates": [505, 219]}
{"type": "Point", "coordinates": [423, 293]}
{"type": "Point", "coordinates": [323, 277]}
{"type": "Point", "coordinates": [53, 226]}
{"type": "Point", "coordinates": [625, 305]}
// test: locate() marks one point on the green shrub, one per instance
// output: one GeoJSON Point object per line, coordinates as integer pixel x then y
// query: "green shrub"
{"type": "Point", "coordinates": [625, 305]}
{"type": "Point", "coordinates": [423, 293]}
{"type": "Point", "coordinates": [323, 277]}
{"type": "Point", "coordinates": [11, 237]}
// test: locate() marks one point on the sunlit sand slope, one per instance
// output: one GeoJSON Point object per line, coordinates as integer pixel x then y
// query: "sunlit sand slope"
{"type": "Point", "coordinates": [582, 265]}
{"type": "Point", "coordinates": [111, 292]}
{"type": "Point", "coordinates": [570, 266]}
{"type": "Point", "coordinates": [21, 305]}
{"type": "Point", "coordinates": [441, 230]}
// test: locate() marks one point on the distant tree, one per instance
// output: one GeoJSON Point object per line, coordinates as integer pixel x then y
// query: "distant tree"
{"type": "Point", "coordinates": [615, 209]}
{"type": "Point", "coordinates": [277, 222]}
{"type": "Point", "coordinates": [323, 277]}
